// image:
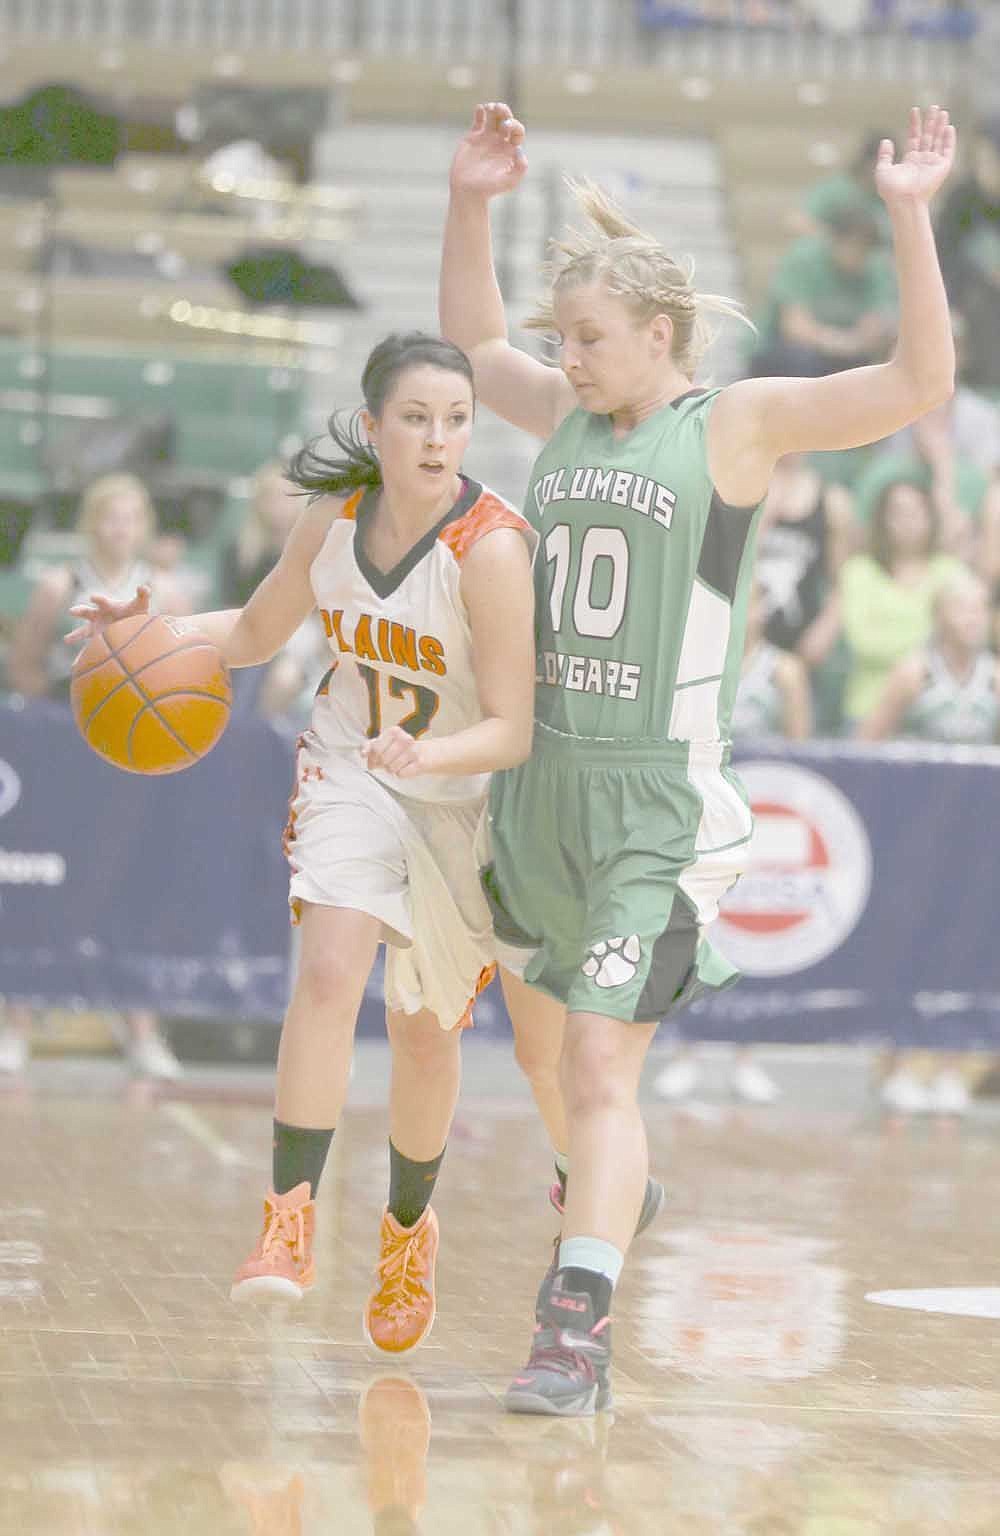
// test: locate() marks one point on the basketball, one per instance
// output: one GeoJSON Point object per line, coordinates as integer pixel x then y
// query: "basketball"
{"type": "Point", "coordinates": [150, 695]}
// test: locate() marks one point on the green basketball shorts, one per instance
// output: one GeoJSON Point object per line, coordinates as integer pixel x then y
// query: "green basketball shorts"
{"type": "Point", "coordinates": [607, 861]}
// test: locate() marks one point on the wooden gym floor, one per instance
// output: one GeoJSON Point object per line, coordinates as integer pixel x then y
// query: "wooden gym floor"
{"type": "Point", "coordinates": [759, 1393]}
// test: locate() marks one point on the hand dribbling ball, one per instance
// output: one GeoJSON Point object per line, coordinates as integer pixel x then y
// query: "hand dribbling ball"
{"type": "Point", "coordinates": [150, 694]}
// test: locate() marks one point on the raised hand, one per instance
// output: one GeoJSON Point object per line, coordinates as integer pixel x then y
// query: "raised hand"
{"type": "Point", "coordinates": [100, 611]}
{"type": "Point", "coordinates": [925, 162]}
{"type": "Point", "coordinates": [489, 159]}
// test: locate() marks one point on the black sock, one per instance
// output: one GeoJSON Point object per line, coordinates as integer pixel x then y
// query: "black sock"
{"type": "Point", "coordinates": [411, 1185]}
{"type": "Point", "coordinates": [597, 1287]}
{"type": "Point", "coordinates": [298, 1153]}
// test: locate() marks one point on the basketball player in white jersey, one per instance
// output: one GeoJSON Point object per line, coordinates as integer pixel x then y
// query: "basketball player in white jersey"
{"type": "Point", "coordinates": [423, 582]}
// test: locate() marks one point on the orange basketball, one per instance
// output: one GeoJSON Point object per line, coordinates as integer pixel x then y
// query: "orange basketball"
{"type": "Point", "coordinates": [150, 695]}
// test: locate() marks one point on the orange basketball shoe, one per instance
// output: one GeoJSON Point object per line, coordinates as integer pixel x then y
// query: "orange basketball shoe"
{"type": "Point", "coordinates": [401, 1309]}
{"type": "Point", "coordinates": [395, 1425]}
{"type": "Point", "coordinates": [272, 1496]}
{"type": "Point", "coordinates": [281, 1265]}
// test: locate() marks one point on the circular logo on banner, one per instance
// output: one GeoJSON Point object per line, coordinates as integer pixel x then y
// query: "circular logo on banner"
{"type": "Point", "coordinates": [10, 788]}
{"type": "Point", "coordinates": [808, 876]}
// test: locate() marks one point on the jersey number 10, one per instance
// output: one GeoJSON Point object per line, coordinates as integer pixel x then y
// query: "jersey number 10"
{"type": "Point", "coordinates": [599, 544]}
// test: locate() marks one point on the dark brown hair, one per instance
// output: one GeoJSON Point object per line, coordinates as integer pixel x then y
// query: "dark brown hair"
{"type": "Point", "coordinates": [358, 464]}
{"type": "Point", "coordinates": [878, 541]}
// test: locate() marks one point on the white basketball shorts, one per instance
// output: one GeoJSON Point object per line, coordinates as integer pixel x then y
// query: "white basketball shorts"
{"type": "Point", "coordinates": [352, 842]}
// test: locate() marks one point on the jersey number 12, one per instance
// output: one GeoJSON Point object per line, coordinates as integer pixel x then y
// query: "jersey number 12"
{"type": "Point", "coordinates": [425, 702]}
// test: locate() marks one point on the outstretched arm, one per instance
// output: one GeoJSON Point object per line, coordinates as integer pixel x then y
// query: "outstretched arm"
{"type": "Point", "coordinates": [490, 161]}
{"type": "Point", "coordinates": [757, 420]}
{"type": "Point", "coordinates": [246, 636]}
{"type": "Point", "coordinates": [97, 612]}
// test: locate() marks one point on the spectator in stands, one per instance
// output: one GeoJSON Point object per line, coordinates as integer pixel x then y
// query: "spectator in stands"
{"type": "Point", "coordinates": [805, 535]}
{"type": "Point", "coordinates": [968, 237]}
{"type": "Point", "coordinates": [948, 691]}
{"type": "Point", "coordinates": [886, 596]}
{"type": "Point", "coordinates": [773, 694]}
{"type": "Point", "coordinates": [831, 303]}
{"type": "Point", "coordinates": [261, 537]}
{"type": "Point", "coordinates": [117, 526]}
{"type": "Point", "coordinates": [856, 182]}
{"type": "Point", "coordinates": [772, 700]}
{"type": "Point", "coordinates": [954, 451]}
{"type": "Point", "coordinates": [187, 581]}
{"type": "Point", "coordinates": [282, 691]}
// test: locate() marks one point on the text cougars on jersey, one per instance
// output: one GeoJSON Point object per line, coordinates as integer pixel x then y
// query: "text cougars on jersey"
{"type": "Point", "coordinates": [588, 674]}
{"type": "Point", "coordinates": [616, 487]}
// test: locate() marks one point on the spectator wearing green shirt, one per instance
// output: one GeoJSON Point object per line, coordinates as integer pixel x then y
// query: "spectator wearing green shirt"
{"type": "Point", "coordinates": [965, 495]}
{"type": "Point", "coordinates": [886, 597]}
{"type": "Point", "coordinates": [856, 182]}
{"type": "Point", "coordinates": [954, 451]}
{"type": "Point", "coordinates": [958, 487]}
{"type": "Point", "coordinates": [832, 302]}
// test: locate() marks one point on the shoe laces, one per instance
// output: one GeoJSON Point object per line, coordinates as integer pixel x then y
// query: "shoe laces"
{"type": "Point", "coordinates": [284, 1225]}
{"type": "Point", "coordinates": [561, 1354]}
{"type": "Point", "coordinates": [401, 1272]}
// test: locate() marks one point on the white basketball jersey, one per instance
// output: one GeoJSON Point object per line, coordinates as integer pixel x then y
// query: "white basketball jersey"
{"type": "Point", "coordinates": [401, 642]}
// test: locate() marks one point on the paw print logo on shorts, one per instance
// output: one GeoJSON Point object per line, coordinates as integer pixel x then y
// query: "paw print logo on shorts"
{"type": "Point", "coordinates": [613, 963]}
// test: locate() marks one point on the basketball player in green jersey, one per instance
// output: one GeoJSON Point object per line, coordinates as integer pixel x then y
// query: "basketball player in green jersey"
{"type": "Point", "coordinates": [613, 844]}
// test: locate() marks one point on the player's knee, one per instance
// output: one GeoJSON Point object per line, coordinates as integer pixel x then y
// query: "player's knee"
{"type": "Point", "coordinates": [327, 983]}
{"type": "Point", "coordinates": [592, 1075]}
{"type": "Point", "coordinates": [421, 1039]}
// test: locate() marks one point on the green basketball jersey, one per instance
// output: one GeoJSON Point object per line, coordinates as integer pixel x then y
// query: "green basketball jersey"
{"type": "Point", "coordinates": [641, 579]}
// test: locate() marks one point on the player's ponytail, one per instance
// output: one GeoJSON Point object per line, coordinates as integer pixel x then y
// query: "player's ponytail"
{"type": "Point", "coordinates": [356, 467]}
{"type": "Point", "coordinates": [636, 268]}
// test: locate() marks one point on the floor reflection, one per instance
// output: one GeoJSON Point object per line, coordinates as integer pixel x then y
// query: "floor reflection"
{"type": "Point", "coordinates": [758, 1392]}
{"type": "Point", "coordinates": [740, 1300]}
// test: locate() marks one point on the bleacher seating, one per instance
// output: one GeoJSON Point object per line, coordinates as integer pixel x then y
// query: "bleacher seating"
{"type": "Point", "coordinates": [675, 124]}
{"type": "Point", "coordinates": [231, 413]}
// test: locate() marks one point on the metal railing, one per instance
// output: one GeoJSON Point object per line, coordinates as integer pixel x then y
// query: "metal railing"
{"type": "Point", "coordinates": [564, 34]}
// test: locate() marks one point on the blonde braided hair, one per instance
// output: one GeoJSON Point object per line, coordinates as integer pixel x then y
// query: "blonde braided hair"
{"type": "Point", "coordinates": [634, 267]}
